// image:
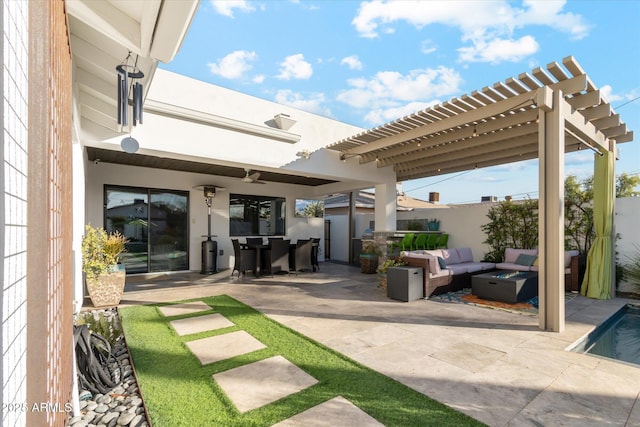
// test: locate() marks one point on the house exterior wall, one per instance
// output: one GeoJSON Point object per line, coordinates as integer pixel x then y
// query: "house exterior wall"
{"type": "Point", "coordinates": [192, 120]}
{"type": "Point", "coordinates": [463, 223]}
{"type": "Point", "coordinates": [101, 174]}
{"type": "Point", "coordinates": [627, 226]}
{"type": "Point", "coordinates": [13, 209]}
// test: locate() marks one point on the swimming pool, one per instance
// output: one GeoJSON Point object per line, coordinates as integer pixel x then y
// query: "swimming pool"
{"type": "Point", "coordinates": [617, 338]}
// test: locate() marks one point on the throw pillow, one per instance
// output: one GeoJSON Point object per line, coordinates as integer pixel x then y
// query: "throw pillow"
{"type": "Point", "coordinates": [441, 262]}
{"type": "Point", "coordinates": [524, 259]}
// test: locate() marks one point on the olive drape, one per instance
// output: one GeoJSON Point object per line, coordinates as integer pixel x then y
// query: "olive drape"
{"type": "Point", "coordinates": [598, 276]}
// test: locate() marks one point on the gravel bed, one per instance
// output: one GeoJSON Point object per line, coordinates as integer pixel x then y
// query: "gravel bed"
{"type": "Point", "coordinates": [122, 405]}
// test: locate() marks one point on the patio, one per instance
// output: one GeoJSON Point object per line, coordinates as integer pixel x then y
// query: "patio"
{"type": "Point", "coordinates": [495, 366]}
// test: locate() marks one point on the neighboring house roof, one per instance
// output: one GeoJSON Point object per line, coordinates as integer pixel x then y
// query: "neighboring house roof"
{"type": "Point", "coordinates": [366, 199]}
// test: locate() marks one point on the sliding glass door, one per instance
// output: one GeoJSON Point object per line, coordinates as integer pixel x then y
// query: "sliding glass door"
{"type": "Point", "coordinates": [156, 224]}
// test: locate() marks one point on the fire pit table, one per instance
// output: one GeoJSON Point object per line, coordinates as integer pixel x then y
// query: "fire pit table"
{"type": "Point", "coordinates": [505, 285]}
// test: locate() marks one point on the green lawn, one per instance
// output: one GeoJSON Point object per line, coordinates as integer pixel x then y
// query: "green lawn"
{"type": "Point", "coordinates": [179, 391]}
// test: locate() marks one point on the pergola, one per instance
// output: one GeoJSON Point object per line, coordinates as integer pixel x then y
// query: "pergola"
{"type": "Point", "coordinates": [542, 115]}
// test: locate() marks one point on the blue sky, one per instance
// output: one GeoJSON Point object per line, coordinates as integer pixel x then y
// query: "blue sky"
{"type": "Point", "coordinates": [367, 63]}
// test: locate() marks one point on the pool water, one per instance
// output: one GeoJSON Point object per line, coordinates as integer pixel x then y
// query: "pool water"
{"type": "Point", "coordinates": [617, 338]}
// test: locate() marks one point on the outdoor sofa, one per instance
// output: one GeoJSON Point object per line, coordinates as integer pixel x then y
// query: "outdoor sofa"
{"type": "Point", "coordinates": [445, 270]}
{"type": "Point", "coordinates": [527, 260]}
{"type": "Point", "coordinates": [449, 270]}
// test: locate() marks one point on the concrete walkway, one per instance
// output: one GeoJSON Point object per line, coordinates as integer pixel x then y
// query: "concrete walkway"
{"type": "Point", "coordinates": [495, 366]}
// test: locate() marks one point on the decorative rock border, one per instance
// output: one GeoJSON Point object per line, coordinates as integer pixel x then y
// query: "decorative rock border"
{"type": "Point", "coordinates": [123, 405]}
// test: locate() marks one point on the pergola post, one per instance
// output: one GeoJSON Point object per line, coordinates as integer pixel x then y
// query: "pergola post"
{"type": "Point", "coordinates": [551, 145]}
{"type": "Point", "coordinates": [385, 207]}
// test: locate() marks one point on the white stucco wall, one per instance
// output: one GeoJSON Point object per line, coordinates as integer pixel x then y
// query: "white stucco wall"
{"type": "Point", "coordinates": [247, 141]}
{"type": "Point", "coordinates": [627, 223]}
{"type": "Point", "coordinates": [103, 173]}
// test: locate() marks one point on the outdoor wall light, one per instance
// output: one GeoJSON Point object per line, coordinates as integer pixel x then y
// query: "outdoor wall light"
{"type": "Point", "coordinates": [283, 121]}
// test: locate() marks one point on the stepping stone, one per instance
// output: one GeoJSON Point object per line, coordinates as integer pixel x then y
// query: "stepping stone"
{"type": "Point", "coordinates": [260, 383]}
{"type": "Point", "coordinates": [193, 325]}
{"type": "Point", "coordinates": [335, 412]}
{"type": "Point", "coordinates": [186, 308]}
{"type": "Point", "coordinates": [221, 347]}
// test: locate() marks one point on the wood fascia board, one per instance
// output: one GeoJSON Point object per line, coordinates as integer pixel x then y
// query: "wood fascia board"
{"type": "Point", "coordinates": [491, 110]}
{"type": "Point", "coordinates": [108, 20]}
{"type": "Point", "coordinates": [450, 154]}
{"type": "Point", "coordinates": [511, 120]}
{"type": "Point", "coordinates": [615, 131]}
{"type": "Point", "coordinates": [90, 83]}
{"type": "Point", "coordinates": [148, 22]}
{"type": "Point", "coordinates": [470, 144]}
{"type": "Point", "coordinates": [585, 129]}
{"type": "Point", "coordinates": [586, 100]}
{"type": "Point", "coordinates": [427, 172]}
{"type": "Point", "coordinates": [178, 112]}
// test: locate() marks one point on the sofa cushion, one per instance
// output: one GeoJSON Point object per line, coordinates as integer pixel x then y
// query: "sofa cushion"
{"type": "Point", "coordinates": [465, 254]}
{"type": "Point", "coordinates": [441, 262]}
{"type": "Point", "coordinates": [512, 266]}
{"type": "Point", "coordinates": [473, 267]}
{"type": "Point", "coordinates": [567, 257]}
{"type": "Point", "coordinates": [527, 260]}
{"type": "Point", "coordinates": [511, 254]}
{"type": "Point", "coordinates": [457, 268]}
{"type": "Point", "coordinates": [450, 256]}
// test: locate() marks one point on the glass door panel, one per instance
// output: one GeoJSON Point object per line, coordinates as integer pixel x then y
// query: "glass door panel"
{"type": "Point", "coordinates": [126, 210]}
{"type": "Point", "coordinates": [169, 231]}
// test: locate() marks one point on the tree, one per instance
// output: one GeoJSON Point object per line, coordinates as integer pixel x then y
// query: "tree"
{"type": "Point", "coordinates": [314, 209]}
{"type": "Point", "coordinates": [626, 185]}
{"type": "Point", "coordinates": [515, 225]}
{"type": "Point", "coordinates": [512, 225]}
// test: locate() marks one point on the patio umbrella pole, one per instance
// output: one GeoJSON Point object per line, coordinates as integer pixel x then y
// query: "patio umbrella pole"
{"type": "Point", "coordinates": [209, 246]}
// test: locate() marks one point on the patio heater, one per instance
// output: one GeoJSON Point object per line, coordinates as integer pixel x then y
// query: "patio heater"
{"type": "Point", "coordinates": [209, 246]}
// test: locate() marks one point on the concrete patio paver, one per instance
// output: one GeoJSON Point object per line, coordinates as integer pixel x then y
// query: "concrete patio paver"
{"type": "Point", "coordinates": [335, 412]}
{"type": "Point", "coordinates": [186, 308]}
{"type": "Point", "coordinates": [221, 347]}
{"type": "Point", "coordinates": [526, 377]}
{"type": "Point", "coordinates": [260, 383]}
{"type": "Point", "coordinates": [194, 325]}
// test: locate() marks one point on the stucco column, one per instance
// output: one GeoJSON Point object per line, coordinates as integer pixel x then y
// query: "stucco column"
{"type": "Point", "coordinates": [551, 210]}
{"type": "Point", "coordinates": [385, 207]}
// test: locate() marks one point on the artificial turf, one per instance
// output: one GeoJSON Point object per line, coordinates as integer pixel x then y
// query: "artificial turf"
{"type": "Point", "coordinates": [179, 391]}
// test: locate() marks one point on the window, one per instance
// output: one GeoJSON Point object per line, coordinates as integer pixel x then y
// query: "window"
{"type": "Point", "coordinates": [156, 222]}
{"type": "Point", "coordinates": [256, 215]}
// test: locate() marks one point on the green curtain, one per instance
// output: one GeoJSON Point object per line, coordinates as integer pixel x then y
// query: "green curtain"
{"type": "Point", "coordinates": [597, 281]}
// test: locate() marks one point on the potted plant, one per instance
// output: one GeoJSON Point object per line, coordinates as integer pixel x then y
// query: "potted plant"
{"type": "Point", "coordinates": [105, 277]}
{"type": "Point", "coordinates": [369, 258]}
{"type": "Point", "coordinates": [389, 262]}
{"type": "Point", "coordinates": [433, 224]}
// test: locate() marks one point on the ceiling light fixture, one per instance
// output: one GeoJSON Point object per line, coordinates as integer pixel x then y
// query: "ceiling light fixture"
{"type": "Point", "coordinates": [304, 154]}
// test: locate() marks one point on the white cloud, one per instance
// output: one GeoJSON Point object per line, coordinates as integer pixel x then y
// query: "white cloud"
{"type": "Point", "coordinates": [295, 67]}
{"type": "Point", "coordinates": [482, 23]}
{"type": "Point", "coordinates": [427, 47]}
{"type": "Point", "coordinates": [353, 62]}
{"type": "Point", "coordinates": [312, 104]}
{"type": "Point", "coordinates": [499, 50]}
{"type": "Point", "coordinates": [234, 65]}
{"type": "Point", "coordinates": [391, 88]}
{"type": "Point", "coordinates": [258, 79]}
{"type": "Point", "coordinates": [380, 115]}
{"type": "Point", "coordinates": [608, 95]}
{"type": "Point", "coordinates": [227, 7]}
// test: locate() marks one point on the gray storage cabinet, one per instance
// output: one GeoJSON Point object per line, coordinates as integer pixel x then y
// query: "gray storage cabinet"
{"type": "Point", "coordinates": [405, 283]}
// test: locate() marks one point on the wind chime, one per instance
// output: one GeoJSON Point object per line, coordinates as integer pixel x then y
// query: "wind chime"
{"type": "Point", "coordinates": [127, 76]}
